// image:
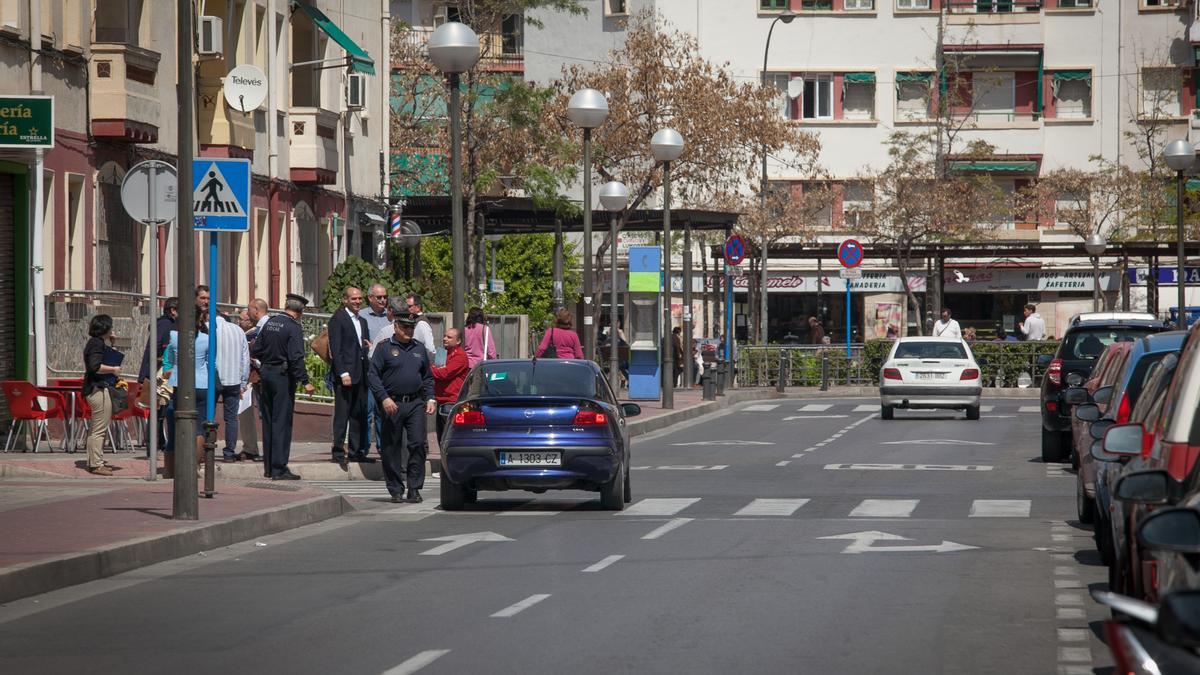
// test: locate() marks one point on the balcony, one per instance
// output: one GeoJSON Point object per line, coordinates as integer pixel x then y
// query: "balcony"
{"type": "Point", "coordinates": [312, 135]}
{"type": "Point", "coordinates": [499, 51]}
{"type": "Point", "coordinates": [221, 130]}
{"type": "Point", "coordinates": [124, 103]}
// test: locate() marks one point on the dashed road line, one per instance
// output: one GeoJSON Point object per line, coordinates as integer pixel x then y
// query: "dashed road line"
{"type": "Point", "coordinates": [1029, 409]}
{"type": "Point", "coordinates": [658, 507]}
{"type": "Point", "coordinates": [761, 407]}
{"type": "Point", "coordinates": [667, 527]}
{"type": "Point", "coordinates": [417, 662]}
{"type": "Point", "coordinates": [517, 608]}
{"type": "Point", "coordinates": [596, 567]}
{"type": "Point", "coordinates": [1000, 508]}
{"type": "Point", "coordinates": [816, 407]}
{"type": "Point", "coordinates": [885, 508]}
{"type": "Point", "coordinates": [771, 507]}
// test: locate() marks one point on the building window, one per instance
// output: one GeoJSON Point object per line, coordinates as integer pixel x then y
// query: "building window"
{"type": "Point", "coordinates": [913, 95]}
{"type": "Point", "coordinates": [858, 5]}
{"type": "Point", "coordinates": [1074, 4]}
{"type": "Point", "coordinates": [993, 96]}
{"type": "Point", "coordinates": [816, 4]}
{"type": "Point", "coordinates": [1160, 92]}
{"type": "Point", "coordinates": [771, 5]}
{"type": "Point", "coordinates": [858, 96]}
{"type": "Point", "coordinates": [817, 99]}
{"type": "Point", "coordinates": [783, 101]}
{"type": "Point", "coordinates": [1160, 3]}
{"type": "Point", "coordinates": [1072, 94]}
{"type": "Point", "coordinates": [857, 203]}
{"type": "Point", "coordinates": [912, 4]}
{"type": "Point", "coordinates": [118, 21]}
{"type": "Point", "coordinates": [616, 7]}
{"type": "Point", "coordinates": [994, 6]}
{"type": "Point", "coordinates": [1068, 207]}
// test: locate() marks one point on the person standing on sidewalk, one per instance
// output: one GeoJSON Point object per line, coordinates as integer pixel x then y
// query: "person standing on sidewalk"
{"type": "Point", "coordinates": [477, 339]}
{"type": "Point", "coordinates": [148, 375]}
{"type": "Point", "coordinates": [1033, 327]}
{"type": "Point", "coordinates": [947, 326]}
{"type": "Point", "coordinates": [562, 336]}
{"type": "Point", "coordinates": [816, 333]}
{"type": "Point", "coordinates": [257, 310]}
{"type": "Point", "coordinates": [233, 376]}
{"type": "Point", "coordinates": [402, 382]}
{"type": "Point", "coordinates": [101, 365]}
{"type": "Point", "coordinates": [423, 332]}
{"type": "Point", "coordinates": [448, 379]}
{"type": "Point", "coordinates": [376, 316]}
{"type": "Point", "coordinates": [279, 349]}
{"type": "Point", "coordinates": [246, 427]}
{"type": "Point", "coordinates": [348, 345]}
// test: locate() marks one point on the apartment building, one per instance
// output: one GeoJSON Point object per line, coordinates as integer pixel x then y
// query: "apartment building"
{"type": "Point", "coordinates": [1048, 83]}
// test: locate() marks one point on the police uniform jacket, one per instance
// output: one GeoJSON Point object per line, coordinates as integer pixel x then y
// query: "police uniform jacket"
{"type": "Point", "coordinates": [401, 370]}
{"type": "Point", "coordinates": [281, 343]}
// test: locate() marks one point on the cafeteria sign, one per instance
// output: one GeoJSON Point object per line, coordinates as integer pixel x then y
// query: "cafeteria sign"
{"type": "Point", "coordinates": [26, 121]}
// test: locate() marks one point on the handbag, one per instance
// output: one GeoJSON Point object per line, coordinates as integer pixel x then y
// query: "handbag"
{"type": "Point", "coordinates": [119, 397]}
{"type": "Point", "coordinates": [320, 346]}
{"type": "Point", "coordinates": [551, 351]}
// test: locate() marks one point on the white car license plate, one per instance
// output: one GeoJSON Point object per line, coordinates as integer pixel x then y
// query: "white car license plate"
{"type": "Point", "coordinates": [531, 458]}
{"type": "Point", "coordinates": [930, 376]}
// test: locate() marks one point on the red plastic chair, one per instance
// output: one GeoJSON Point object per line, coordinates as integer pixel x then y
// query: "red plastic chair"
{"type": "Point", "coordinates": [132, 412]}
{"type": "Point", "coordinates": [24, 407]}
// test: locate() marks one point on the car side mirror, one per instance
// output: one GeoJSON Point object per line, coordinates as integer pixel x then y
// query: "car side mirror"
{"type": "Point", "coordinates": [1172, 530]}
{"type": "Point", "coordinates": [445, 409]}
{"type": "Point", "coordinates": [1179, 619]}
{"type": "Point", "coordinates": [631, 409]}
{"type": "Point", "coordinates": [1124, 439]}
{"type": "Point", "coordinates": [1099, 454]}
{"type": "Point", "coordinates": [1099, 427]}
{"type": "Point", "coordinates": [1088, 412]}
{"type": "Point", "coordinates": [1151, 487]}
{"type": "Point", "coordinates": [1074, 379]}
{"type": "Point", "coordinates": [1075, 396]}
{"type": "Point", "coordinates": [1103, 395]}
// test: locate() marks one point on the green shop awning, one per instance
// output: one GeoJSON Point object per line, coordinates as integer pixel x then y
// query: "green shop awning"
{"type": "Point", "coordinates": [1064, 75]}
{"type": "Point", "coordinates": [996, 166]}
{"type": "Point", "coordinates": [859, 77]}
{"type": "Point", "coordinates": [914, 77]}
{"type": "Point", "coordinates": [360, 60]}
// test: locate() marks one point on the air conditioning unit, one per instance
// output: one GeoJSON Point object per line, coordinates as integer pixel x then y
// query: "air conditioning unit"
{"type": "Point", "coordinates": [356, 91]}
{"type": "Point", "coordinates": [210, 36]}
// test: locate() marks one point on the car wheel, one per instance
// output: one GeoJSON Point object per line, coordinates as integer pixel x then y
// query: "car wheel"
{"type": "Point", "coordinates": [973, 412]}
{"type": "Point", "coordinates": [612, 493]}
{"type": "Point", "coordinates": [1085, 507]}
{"type": "Point", "coordinates": [628, 489]}
{"type": "Point", "coordinates": [886, 412]}
{"type": "Point", "coordinates": [453, 495]}
{"type": "Point", "coordinates": [470, 496]}
{"type": "Point", "coordinates": [1051, 446]}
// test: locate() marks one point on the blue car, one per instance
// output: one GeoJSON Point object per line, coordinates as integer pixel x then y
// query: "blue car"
{"type": "Point", "coordinates": [536, 425]}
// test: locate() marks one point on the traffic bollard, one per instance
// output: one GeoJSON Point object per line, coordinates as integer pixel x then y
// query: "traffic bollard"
{"type": "Point", "coordinates": [721, 378]}
{"type": "Point", "coordinates": [824, 370]}
{"type": "Point", "coordinates": [782, 382]}
{"type": "Point", "coordinates": [210, 463]}
{"type": "Point", "coordinates": [708, 382]}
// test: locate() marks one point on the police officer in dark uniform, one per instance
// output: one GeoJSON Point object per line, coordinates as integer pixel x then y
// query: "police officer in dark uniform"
{"type": "Point", "coordinates": [279, 350]}
{"type": "Point", "coordinates": [401, 380]}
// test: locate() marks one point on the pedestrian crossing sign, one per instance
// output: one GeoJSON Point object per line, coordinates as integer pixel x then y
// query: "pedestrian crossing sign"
{"type": "Point", "coordinates": [221, 194]}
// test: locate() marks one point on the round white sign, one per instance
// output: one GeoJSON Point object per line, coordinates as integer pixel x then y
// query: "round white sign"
{"type": "Point", "coordinates": [148, 192]}
{"type": "Point", "coordinates": [245, 88]}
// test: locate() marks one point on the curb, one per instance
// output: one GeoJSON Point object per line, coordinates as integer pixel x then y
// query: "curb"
{"type": "Point", "coordinates": [77, 568]}
{"type": "Point", "coordinates": [733, 397]}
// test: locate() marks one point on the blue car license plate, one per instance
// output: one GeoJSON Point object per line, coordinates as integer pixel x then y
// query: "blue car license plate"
{"type": "Point", "coordinates": [531, 458]}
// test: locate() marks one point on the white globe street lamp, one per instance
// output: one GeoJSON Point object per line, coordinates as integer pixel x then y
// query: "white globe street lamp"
{"type": "Point", "coordinates": [1095, 245]}
{"type": "Point", "coordinates": [667, 145]}
{"type": "Point", "coordinates": [587, 110]}
{"type": "Point", "coordinates": [614, 197]}
{"type": "Point", "coordinates": [1180, 156]}
{"type": "Point", "coordinates": [786, 16]}
{"type": "Point", "coordinates": [454, 49]}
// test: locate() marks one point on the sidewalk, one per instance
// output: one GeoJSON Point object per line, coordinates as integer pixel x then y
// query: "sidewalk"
{"type": "Point", "coordinates": [61, 526]}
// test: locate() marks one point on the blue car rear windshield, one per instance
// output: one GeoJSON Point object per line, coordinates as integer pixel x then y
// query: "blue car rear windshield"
{"type": "Point", "coordinates": [930, 350]}
{"type": "Point", "coordinates": [529, 378]}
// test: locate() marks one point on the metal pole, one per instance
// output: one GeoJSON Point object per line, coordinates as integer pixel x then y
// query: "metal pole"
{"type": "Point", "coordinates": [558, 264]}
{"type": "Point", "coordinates": [186, 503]}
{"type": "Point", "coordinates": [762, 200]}
{"type": "Point", "coordinates": [1095, 283]}
{"type": "Point", "coordinates": [687, 307]}
{"type": "Point", "coordinates": [456, 216]}
{"type": "Point", "coordinates": [848, 331]}
{"type": "Point", "coordinates": [152, 432]}
{"type": "Point", "coordinates": [589, 343]}
{"type": "Point", "coordinates": [614, 370]}
{"type": "Point", "coordinates": [210, 399]}
{"type": "Point", "coordinates": [668, 362]}
{"type": "Point", "coordinates": [1180, 272]}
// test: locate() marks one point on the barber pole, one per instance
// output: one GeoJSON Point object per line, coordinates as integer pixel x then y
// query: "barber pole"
{"type": "Point", "coordinates": [394, 220]}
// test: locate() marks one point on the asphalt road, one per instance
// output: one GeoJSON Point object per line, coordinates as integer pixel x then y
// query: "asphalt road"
{"type": "Point", "coordinates": [782, 537]}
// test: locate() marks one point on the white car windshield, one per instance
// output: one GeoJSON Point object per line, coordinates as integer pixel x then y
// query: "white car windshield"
{"type": "Point", "coordinates": [930, 350]}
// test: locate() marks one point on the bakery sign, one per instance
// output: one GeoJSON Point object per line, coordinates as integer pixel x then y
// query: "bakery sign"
{"type": "Point", "coordinates": [26, 121]}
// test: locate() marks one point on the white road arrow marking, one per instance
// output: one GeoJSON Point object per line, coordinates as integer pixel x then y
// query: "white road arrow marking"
{"type": "Point", "coordinates": [457, 541]}
{"type": "Point", "coordinates": [725, 443]}
{"type": "Point", "coordinates": [861, 542]}
{"type": "Point", "coordinates": [937, 441]}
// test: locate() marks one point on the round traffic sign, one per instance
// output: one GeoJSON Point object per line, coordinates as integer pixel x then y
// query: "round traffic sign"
{"type": "Point", "coordinates": [148, 192]}
{"type": "Point", "coordinates": [245, 88]}
{"type": "Point", "coordinates": [850, 253]}
{"type": "Point", "coordinates": [735, 250]}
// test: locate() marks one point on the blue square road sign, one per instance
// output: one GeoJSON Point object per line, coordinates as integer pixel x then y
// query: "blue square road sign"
{"type": "Point", "coordinates": [221, 194]}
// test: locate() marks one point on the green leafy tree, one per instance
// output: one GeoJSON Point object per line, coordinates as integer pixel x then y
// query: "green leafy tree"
{"type": "Point", "coordinates": [356, 272]}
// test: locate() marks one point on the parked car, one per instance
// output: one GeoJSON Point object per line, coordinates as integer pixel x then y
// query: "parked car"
{"type": "Point", "coordinates": [536, 425]}
{"type": "Point", "coordinates": [929, 373]}
{"type": "Point", "coordinates": [1144, 357]}
{"type": "Point", "coordinates": [1084, 341]}
{"type": "Point", "coordinates": [1090, 402]}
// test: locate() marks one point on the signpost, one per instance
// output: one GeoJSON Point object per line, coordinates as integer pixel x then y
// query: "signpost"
{"type": "Point", "coordinates": [850, 254]}
{"type": "Point", "coordinates": [149, 195]}
{"type": "Point", "coordinates": [220, 203]}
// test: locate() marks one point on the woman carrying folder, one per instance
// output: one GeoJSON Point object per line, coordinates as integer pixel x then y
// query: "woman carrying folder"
{"type": "Point", "coordinates": [101, 365]}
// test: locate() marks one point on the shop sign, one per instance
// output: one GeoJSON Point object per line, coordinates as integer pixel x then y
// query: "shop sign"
{"type": "Point", "coordinates": [871, 282]}
{"type": "Point", "coordinates": [975, 280]}
{"type": "Point", "coordinates": [1139, 276]}
{"type": "Point", "coordinates": [26, 121]}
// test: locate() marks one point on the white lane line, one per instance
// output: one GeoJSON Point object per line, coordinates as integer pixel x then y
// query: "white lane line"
{"type": "Point", "coordinates": [866, 408]}
{"type": "Point", "coordinates": [884, 508]}
{"type": "Point", "coordinates": [1073, 599]}
{"type": "Point", "coordinates": [816, 407]}
{"type": "Point", "coordinates": [1028, 409]}
{"type": "Point", "coordinates": [771, 507]}
{"type": "Point", "coordinates": [1060, 584]}
{"type": "Point", "coordinates": [907, 467]}
{"type": "Point", "coordinates": [986, 408]}
{"type": "Point", "coordinates": [596, 567]}
{"type": "Point", "coordinates": [667, 527]}
{"type": "Point", "coordinates": [417, 662]}
{"type": "Point", "coordinates": [789, 418]}
{"type": "Point", "coordinates": [783, 463]}
{"type": "Point", "coordinates": [658, 507]}
{"type": "Point", "coordinates": [762, 407]}
{"type": "Point", "coordinates": [1067, 613]}
{"type": "Point", "coordinates": [1065, 571]}
{"type": "Point", "coordinates": [513, 610]}
{"type": "Point", "coordinates": [1075, 654]}
{"type": "Point", "coordinates": [1073, 634]}
{"type": "Point", "coordinates": [1000, 508]}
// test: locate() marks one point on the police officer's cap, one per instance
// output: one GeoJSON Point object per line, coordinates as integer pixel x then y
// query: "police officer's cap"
{"type": "Point", "coordinates": [406, 320]}
{"type": "Point", "coordinates": [298, 298]}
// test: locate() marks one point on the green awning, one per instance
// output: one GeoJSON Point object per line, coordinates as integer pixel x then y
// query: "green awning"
{"type": "Point", "coordinates": [914, 77]}
{"type": "Point", "coordinates": [859, 77]}
{"type": "Point", "coordinates": [995, 166]}
{"type": "Point", "coordinates": [360, 60]}
{"type": "Point", "coordinates": [1192, 184]}
{"type": "Point", "coordinates": [1062, 75]}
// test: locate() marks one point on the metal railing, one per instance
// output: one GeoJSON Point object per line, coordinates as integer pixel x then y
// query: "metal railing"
{"type": "Point", "coordinates": [993, 6]}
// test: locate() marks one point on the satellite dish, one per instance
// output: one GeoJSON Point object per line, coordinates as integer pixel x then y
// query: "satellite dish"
{"type": "Point", "coordinates": [795, 87]}
{"type": "Point", "coordinates": [245, 88]}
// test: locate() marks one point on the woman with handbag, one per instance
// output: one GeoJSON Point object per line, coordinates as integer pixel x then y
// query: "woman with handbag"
{"type": "Point", "coordinates": [477, 338]}
{"type": "Point", "coordinates": [560, 340]}
{"type": "Point", "coordinates": [101, 364]}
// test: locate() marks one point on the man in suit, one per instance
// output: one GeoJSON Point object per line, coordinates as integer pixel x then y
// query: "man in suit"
{"type": "Point", "coordinates": [348, 345]}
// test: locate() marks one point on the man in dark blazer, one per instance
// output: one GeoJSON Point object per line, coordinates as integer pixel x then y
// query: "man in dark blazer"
{"type": "Point", "coordinates": [349, 342]}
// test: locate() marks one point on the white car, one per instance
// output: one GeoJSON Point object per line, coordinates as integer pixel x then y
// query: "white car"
{"type": "Point", "coordinates": [930, 373]}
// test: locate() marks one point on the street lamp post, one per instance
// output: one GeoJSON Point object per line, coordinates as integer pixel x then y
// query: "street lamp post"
{"type": "Point", "coordinates": [454, 49]}
{"type": "Point", "coordinates": [587, 110]}
{"type": "Point", "coordinates": [667, 145]}
{"type": "Point", "coordinates": [785, 16]}
{"type": "Point", "coordinates": [1095, 246]}
{"type": "Point", "coordinates": [1180, 155]}
{"type": "Point", "coordinates": [614, 196]}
